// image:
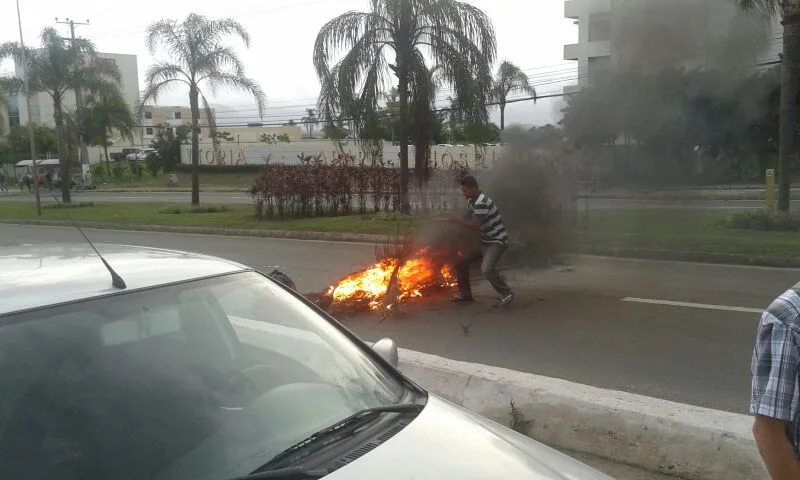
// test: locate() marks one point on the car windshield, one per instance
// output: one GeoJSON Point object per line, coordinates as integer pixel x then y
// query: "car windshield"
{"type": "Point", "coordinates": [202, 380]}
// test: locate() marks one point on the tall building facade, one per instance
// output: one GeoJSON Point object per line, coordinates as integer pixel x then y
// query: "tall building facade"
{"type": "Point", "coordinates": [659, 34]}
{"type": "Point", "coordinates": [42, 104]}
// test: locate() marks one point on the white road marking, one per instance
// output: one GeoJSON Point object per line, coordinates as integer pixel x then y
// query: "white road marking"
{"type": "Point", "coordinates": [135, 198]}
{"type": "Point", "coordinates": [693, 305]}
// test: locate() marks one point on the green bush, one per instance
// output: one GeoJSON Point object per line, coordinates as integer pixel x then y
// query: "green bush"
{"type": "Point", "coordinates": [178, 210]}
{"type": "Point", "coordinates": [56, 206]}
{"type": "Point", "coordinates": [763, 220]}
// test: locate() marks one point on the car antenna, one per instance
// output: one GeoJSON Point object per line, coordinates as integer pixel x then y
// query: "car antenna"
{"type": "Point", "coordinates": [116, 280]}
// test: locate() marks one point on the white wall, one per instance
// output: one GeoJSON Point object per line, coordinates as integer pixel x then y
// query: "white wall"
{"type": "Point", "coordinates": [287, 153]}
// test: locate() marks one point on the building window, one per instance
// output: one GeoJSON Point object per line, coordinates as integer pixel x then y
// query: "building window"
{"type": "Point", "coordinates": [599, 27]}
{"type": "Point", "coordinates": [599, 67]}
{"type": "Point", "coordinates": [148, 115]}
{"type": "Point", "coordinates": [177, 115]}
{"type": "Point", "coordinates": [148, 131]}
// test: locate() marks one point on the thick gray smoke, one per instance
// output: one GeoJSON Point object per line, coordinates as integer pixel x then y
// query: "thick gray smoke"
{"type": "Point", "coordinates": [655, 34]}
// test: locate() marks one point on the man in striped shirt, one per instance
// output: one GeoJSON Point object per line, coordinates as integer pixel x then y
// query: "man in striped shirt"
{"type": "Point", "coordinates": [484, 216]}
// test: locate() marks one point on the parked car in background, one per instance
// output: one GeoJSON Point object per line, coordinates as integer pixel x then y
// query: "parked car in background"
{"type": "Point", "coordinates": [168, 365]}
{"type": "Point", "coordinates": [123, 155]}
{"type": "Point", "coordinates": [140, 156]}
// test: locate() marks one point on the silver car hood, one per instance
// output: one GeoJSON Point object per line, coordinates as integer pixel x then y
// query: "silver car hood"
{"type": "Point", "coordinates": [447, 441]}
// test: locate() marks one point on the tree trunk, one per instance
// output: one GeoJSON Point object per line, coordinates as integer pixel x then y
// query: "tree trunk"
{"type": "Point", "coordinates": [788, 116]}
{"type": "Point", "coordinates": [193, 97]}
{"type": "Point", "coordinates": [105, 150]}
{"type": "Point", "coordinates": [502, 116]}
{"type": "Point", "coordinates": [63, 154]}
{"type": "Point", "coordinates": [402, 74]}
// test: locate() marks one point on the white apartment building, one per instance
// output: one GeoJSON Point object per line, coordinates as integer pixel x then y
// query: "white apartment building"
{"type": "Point", "coordinates": [593, 50]}
{"type": "Point", "coordinates": [171, 116]}
{"type": "Point", "coordinates": [663, 33]}
{"type": "Point", "coordinates": [42, 104]}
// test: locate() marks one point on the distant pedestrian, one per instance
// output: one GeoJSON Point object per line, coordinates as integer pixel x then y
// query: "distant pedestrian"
{"type": "Point", "coordinates": [48, 180]}
{"type": "Point", "coordinates": [775, 398]}
{"type": "Point", "coordinates": [3, 181]}
{"type": "Point", "coordinates": [482, 215]}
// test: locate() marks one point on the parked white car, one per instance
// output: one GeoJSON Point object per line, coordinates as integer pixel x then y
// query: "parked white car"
{"type": "Point", "coordinates": [140, 156]}
{"type": "Point", "coordinates": [175, 366]}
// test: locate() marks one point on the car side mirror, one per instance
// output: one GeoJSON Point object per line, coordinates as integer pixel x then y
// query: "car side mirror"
{"type": "Point", "coordinates": [387, 349]}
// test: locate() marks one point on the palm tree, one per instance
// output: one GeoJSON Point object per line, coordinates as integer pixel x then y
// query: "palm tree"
{"type": "Point", "coordinates": [310, 120]}
{"type": "Point", "coordinates": [456, 36]}
{"type": "Point", "coordinates": [57, 68]}
{"type": "Point", "coordinates": [509, 79]}
{"type": "Point", "coordinates": [789, 11]}
{"type": "Point", "coordinates": [198, 57]}
{"type": "Point", "coordinates": [105, 113]}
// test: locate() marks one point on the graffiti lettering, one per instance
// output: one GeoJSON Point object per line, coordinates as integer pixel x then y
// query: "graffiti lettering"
{"type": "Point", "coordinates": [471, 157]}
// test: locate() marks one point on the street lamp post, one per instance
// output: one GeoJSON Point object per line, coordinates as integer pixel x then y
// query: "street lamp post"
{"type": "Point", "coordinates": [30, 121]}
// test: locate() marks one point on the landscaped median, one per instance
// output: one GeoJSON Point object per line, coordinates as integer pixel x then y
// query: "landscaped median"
{"type": "Point", "coordinates": [658, 234]}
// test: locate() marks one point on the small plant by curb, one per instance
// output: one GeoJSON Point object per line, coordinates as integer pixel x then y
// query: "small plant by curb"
{"type": "Point", "coordinates": [177, 210]}
{"type": "Point", "coordinates": [517, 420]}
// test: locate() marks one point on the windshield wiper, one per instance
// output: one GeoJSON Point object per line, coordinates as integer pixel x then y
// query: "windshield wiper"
{"type": "Point", "coordinates": [342, 427]}
{"type": "Point", "coordinates": [290, 473]}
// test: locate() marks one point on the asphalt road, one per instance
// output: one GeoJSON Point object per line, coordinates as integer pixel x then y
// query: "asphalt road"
{"type": "Point", "coordinates": [231, 198]}
{"type": "Point", "coordinates": [601, 322]}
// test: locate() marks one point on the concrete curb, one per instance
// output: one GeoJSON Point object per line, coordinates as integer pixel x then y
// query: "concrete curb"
{"type": "Point", "coordinates": [240, 232]}
{"type": "Point", "coordinates": [657, 435]}
{"type": "Point", "coordinates": [622, 252]}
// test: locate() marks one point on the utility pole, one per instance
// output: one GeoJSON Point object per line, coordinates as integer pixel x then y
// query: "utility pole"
{"type": "Point", "coordinates": [78, 96]}
{"type": "Point", "coordinates": [26, 79]}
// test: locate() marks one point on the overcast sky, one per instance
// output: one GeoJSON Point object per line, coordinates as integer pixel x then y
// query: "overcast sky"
{"type": "Point", "coordinates": [529, 33]}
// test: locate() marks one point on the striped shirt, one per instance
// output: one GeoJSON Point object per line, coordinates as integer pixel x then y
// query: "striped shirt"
{"type": "Point", "coordinates": [776, 364]}
{"type": "Point", "coordinates": [483, 209]}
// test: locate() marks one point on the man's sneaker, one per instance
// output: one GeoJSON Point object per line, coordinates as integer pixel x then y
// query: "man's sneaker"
{"type": "Point", "coordinates": [506, 299]}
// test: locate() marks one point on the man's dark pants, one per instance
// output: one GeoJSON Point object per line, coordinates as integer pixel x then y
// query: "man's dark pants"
{"type": "Point", "coordinates": [491, 254]}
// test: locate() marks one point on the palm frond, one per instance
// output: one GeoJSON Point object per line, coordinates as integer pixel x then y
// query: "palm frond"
{"type": "Point", "coordinates": [218, 58]}
{"type": "Point", "coordinates": [166, 32]}
{"type": "Point", "coordinates": [343, 33]}
{"type": "Point", "coordinates": [460, 23]}
{"type": "Point", "coordinates": [769, 8]}
{"type": "Point", "coordinates": [161, 72]}
{"type": "Point", "coordinates": [212, 122]}
{"type": "Point", "coordinates": [232, 81]}
{"type": "Point", "coordinates": [211, 32]}
{"type": "Point", "coordinates": [153, 91]}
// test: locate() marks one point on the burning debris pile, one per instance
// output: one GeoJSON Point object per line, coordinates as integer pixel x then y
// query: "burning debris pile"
{"type": "Point", "coordinates": [412, 278]}
{"type": "Point", "coordinates": [418, 267]}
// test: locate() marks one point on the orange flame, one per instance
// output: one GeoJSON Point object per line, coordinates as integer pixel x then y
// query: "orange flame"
{"type": "Point", "coordinates": [371, 285]}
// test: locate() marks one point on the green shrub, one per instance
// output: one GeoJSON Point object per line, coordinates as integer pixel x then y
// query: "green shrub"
{"type": "Point", "coordinates": [56, 206]}
{"type": "Point", "coordinates": [763, 220]}
{"type": "Point", "coordinates": [178, 210]}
